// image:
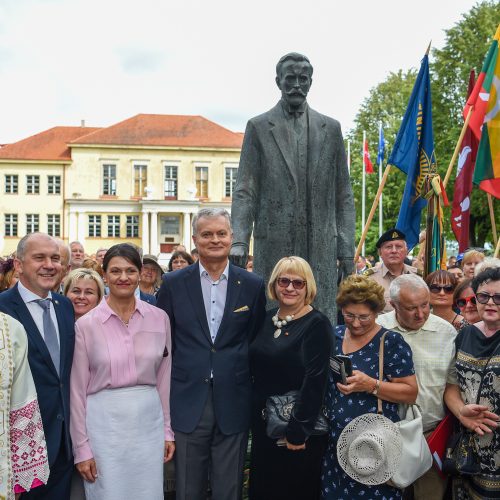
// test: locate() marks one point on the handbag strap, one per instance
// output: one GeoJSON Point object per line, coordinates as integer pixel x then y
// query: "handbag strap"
{"type": "Point", "coordinates": [381, 370]}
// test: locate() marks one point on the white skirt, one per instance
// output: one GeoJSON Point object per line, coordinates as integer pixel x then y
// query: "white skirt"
{"type": "Point", "coordinates": [126, 436]}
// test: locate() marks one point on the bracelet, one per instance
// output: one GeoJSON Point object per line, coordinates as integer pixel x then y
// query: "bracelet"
{"type": "Point", "coordinates": [376, 389]}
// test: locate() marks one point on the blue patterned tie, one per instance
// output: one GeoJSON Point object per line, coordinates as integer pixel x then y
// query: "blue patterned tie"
{"type": "Point", "coordinates": [50, 333]}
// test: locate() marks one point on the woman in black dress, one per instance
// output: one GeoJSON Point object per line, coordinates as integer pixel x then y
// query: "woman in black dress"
{"type": "Point", "coordinates": [291, 352]}
{"type": "Point", "coordinates": [473, 394]}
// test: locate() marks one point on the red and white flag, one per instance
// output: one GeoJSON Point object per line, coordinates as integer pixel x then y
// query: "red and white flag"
{"type": "Point", "coordinates": [460, 212]}
{"type": "Point", "coordinates": [367, 163]}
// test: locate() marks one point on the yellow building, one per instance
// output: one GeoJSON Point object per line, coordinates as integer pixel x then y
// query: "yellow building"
{"type": "Point", "coordinates": [140, 180]}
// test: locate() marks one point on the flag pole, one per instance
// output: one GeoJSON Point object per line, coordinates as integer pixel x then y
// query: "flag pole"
{"type": "Point", "coordinates": [363, 199]}
{"type": "Point", "coordinates": [372, 212]}
{"type": "Point", "coordinates": [457, 147]}
{"type": "Point", "coordinates": [492, 218]}
{"type": "Point", "coordinates": [497, 249]}
{"type": "Point", "coordinates": [380, 214]}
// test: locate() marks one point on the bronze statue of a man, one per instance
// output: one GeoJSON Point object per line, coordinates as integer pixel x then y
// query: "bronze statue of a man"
{"type": "Point", "coordinates": [293, 188]}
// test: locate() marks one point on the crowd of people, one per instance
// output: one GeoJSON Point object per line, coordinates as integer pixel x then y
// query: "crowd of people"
{"type": "Point", "coordinates": [116, 366]}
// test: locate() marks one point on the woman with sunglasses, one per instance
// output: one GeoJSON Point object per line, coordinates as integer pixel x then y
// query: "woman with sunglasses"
{"type": "Point", "coordinates": [465, 300]}
{"type": "Point", "coordinates": [361, 299]}
{"type": "Point", "coordinates": [442, 284]}
{"type": "Point", "coordinates": [473, 394]}
{"type": "Point", "coordinates": [290, 353]}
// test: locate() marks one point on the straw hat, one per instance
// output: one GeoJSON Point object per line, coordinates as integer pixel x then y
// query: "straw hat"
{"type": "Point", "coordinates": [369, 449]}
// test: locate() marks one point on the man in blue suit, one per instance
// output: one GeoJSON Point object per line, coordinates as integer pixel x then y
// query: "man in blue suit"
{"type": "Point", "coordinates": [48, 319]}
{"type": "Point", "coordinates": [215, 310]}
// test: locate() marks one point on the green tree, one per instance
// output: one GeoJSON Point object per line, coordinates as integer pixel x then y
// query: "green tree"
{"type": "Point", "coordinates": [466, 45]}
{"type": "Point", "coordinates": [386, 104]}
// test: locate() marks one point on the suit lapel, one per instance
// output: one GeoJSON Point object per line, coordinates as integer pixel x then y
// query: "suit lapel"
{"type": "Point", "coordinates": [316, 141]}
{"type": "Point", "coordinates": [277, 123]}
{"type": "Point", "coordinates": [233, 293]}
{"type": "Point", "coordinates": [193, 290]}
{"type": "Point", "coordinates": [34, 335]}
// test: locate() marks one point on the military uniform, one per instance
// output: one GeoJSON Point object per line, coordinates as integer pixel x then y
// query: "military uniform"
{"type": "Point", "coordinates": [381, 274]}
{"type": "Point", "coordinates": [384, 277]}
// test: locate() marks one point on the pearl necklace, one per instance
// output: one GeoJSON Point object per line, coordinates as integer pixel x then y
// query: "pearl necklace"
{"type": "Point", "coordinates": [278, 323]}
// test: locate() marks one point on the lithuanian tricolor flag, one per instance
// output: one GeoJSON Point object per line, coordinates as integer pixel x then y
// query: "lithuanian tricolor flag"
{"type": "Point", "coordinates": [487, 97]}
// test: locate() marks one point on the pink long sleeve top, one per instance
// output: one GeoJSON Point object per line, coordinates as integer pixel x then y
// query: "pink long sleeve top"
{"type": "Point", "coordinates": [109, 355]}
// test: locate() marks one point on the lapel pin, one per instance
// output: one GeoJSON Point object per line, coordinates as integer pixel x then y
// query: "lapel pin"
{"type": "Point", "coordinates": [56, 302]}
{"type": "Point", "coordinates": [239, 282]}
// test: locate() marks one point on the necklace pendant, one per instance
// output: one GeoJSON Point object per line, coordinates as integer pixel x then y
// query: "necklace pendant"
{"type": "Point", "coordinates": [277, 333]}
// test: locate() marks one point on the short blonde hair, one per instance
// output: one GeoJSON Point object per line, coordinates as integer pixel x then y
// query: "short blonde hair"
{"type": "Point", "coordinates": [472, 255]}
{"type": "Point", "coordinates": [84, 274]}
{"type": "Point", "coordinates": [358, 289]}
{"type": "Point", "coordinates": [293, 265]}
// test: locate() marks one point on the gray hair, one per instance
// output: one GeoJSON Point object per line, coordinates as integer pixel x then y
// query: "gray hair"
{"type": "Point", "coordinates": [210, 212]}
{"type": "Point", "coordinates": [77, 242]}
{"type": "Point", "coordinates": [406, 281]}
{"type": "Point", "coordinates": [21, 246]}
{"type": "Point", "coordinates": [487, 263]}
{"type": "Point", "coordinates": [65, 251]}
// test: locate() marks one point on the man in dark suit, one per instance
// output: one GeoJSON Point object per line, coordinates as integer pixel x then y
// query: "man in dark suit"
{"type": "Point", "coordinates": [215, 310]}
{"type": "Point", "coordinates": [48, 319]}
{"type": "Point", "coordinates": [293, 188]}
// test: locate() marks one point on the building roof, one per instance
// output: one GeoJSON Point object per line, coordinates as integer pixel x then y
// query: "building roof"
{"type": "Point", "coordinates": [165, 130]}
{"type": "Point", "coordinates": [51, 145]}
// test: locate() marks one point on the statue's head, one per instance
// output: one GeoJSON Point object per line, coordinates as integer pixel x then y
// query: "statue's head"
{"type": "Point", "coordinates": [294, 78]}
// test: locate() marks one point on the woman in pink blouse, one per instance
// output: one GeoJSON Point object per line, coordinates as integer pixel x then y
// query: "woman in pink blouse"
{"type": "Point", "coordinates": [120, 388]}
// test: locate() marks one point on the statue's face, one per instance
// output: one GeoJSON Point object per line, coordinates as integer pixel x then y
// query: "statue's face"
{"type": "Point", "coordinates": [294, 81]}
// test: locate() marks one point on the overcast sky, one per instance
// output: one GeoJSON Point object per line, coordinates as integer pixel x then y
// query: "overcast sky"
{"type": "Point", "coordinates": [103, 61]}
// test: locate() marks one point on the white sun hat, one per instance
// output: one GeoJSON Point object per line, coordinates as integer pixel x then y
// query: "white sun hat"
{"type": "Point", "coordinates": [369, 449]}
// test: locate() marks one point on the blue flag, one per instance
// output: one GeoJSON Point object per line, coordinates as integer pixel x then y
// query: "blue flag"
{"type": "Point", "coordinates": [413, 154]}
{"type": "Point", "coordinates": [381, 146]}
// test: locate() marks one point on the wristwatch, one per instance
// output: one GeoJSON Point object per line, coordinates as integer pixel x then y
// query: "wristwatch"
{"type": "Point", "coordinates": [377, 387]}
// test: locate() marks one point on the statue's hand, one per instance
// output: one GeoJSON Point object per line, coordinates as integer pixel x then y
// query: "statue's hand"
{"type": "Point", "coordinates": [346, 267]}
{"type": "Point", "coordinates": [239, 254]}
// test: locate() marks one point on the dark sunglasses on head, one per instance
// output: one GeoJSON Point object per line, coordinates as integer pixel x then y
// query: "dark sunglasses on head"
{"type": "Point", "coordinates": [461, 303]}
{"type": "Point", "coordinates": [484, 298]}
{"type": "Point", "coordinates": [437, 288]}
{"type": "Point", "coordinates": [285, 283]}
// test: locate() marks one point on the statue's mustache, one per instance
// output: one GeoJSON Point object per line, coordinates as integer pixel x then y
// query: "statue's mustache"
{"type": "Point", "coordinates": [296, 92]}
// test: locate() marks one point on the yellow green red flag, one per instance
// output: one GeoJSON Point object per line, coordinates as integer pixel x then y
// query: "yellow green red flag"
{"type": "Point", "coordinates": [487, 169]}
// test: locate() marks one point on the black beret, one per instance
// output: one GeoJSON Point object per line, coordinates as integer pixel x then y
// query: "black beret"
{"type": "Point", "coordinates": [391, 235]}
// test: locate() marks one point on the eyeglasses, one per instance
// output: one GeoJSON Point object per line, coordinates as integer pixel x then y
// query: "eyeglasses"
{"type": "Point", "coordinates": [362, 318]}
{"type": "Point", "coordinates": [285, 283]}
{"type": "Point", "coordinates": [484, 298]}
{"type": "Point", "coordinates": [461, 303]}
{"type": "Point", "coordinates": [437, 288]}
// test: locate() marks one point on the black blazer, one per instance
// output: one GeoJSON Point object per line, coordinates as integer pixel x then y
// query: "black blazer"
{"type": "Point", "coordinates": [195, 357]}
{"type": "Point", "coordinates": [52, 390]}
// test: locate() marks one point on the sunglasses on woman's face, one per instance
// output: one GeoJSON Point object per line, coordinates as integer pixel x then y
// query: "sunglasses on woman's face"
{"type": "Point", "coordinates": [484, 298]}
{"type": "Point", "coordinates": [437, 288]}
{"type": "Point", "coordinates": [285, 283]}
{"type": "Point", "coordinates": [461, 303]}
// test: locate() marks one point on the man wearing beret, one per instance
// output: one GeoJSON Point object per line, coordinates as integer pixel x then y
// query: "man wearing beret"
{"type": "Point", "coordinates": [392, 250]}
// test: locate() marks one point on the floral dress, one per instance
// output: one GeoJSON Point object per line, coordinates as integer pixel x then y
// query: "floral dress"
{"type": "Point", "coordinates": [398, 363]}
{"type": "Point", "coordinates": [478, 356]}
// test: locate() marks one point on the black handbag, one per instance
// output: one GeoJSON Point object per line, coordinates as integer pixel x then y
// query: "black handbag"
{"type": "Point", "coordinates": [278, 412]}
{"type": "Point", "coordinates": [461, 455]}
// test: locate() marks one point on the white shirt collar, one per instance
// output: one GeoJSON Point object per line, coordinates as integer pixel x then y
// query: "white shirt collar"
{"type": "Point", "coordinates": [28, 295]}
{"type": "Point", "coordinates": [225, 273]}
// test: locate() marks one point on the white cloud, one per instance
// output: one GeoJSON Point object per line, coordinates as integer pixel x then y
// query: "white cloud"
{"type": "Point", "coordinates": [107, 60]}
